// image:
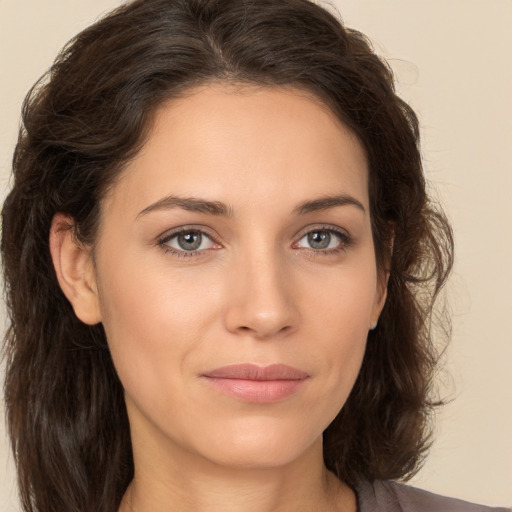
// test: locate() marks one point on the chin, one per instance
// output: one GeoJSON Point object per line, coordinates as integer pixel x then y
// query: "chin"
{"type": "Point", "coordinates": [258, 446]}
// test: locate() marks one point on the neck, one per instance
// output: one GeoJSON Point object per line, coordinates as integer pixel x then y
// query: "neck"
{"type": "Point", "coordinates": [188, 483]}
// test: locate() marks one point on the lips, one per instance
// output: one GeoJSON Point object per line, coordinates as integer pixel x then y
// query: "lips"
{"type": "Point", "coordinates": [253, 372]}
{"type": "Point", "coordinates": [256, 384]}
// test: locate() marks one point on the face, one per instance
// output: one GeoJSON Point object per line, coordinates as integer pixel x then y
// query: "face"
{"type": "Point", "coordinates": [236, 275]}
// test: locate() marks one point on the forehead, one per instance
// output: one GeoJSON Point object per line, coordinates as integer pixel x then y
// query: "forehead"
{"type": "Point", "coordinates": [234, 144]}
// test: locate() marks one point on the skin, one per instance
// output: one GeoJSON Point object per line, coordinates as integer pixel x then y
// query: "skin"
{"type": "Point", "coordinates": [256, 291]}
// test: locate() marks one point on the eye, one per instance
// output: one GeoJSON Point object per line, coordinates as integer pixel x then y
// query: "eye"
{"type": "Point", "coordinates": [189, 240]}
{"type": "Point", "coordinates": [323, 239]}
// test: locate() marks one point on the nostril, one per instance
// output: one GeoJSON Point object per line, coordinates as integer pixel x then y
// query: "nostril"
{"type": "Point", "coordinates": [265, 332]}
{"type": "Point", "coordinates": [266, 312]}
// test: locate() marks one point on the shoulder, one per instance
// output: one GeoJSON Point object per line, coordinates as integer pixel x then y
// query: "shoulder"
{"type": "Point", "coordinates": [388, 496]}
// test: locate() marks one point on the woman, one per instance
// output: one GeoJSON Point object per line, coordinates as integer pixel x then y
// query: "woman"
{"type": "Point", "coordinates": [220, 217]}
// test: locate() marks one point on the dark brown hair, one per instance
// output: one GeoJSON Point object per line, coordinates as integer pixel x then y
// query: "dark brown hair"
{"type": "Point", "coordinates": [87, 117]}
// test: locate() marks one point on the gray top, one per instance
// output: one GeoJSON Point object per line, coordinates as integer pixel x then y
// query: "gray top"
{"type": "Point", "coordinates": [388, 496]}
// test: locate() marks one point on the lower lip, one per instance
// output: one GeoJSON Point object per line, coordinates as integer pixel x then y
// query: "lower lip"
{"type": "Point", "coordinates": [257, 391]}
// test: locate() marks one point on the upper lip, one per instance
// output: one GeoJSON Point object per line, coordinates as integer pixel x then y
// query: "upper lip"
{"type": "Point", "coordinates": [255, 372]}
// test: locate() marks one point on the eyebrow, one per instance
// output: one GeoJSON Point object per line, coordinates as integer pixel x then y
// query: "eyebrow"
{"type": "Point", "coordinates": [194, 204]}
{"type": "Point", "coordinates": [328, 202]}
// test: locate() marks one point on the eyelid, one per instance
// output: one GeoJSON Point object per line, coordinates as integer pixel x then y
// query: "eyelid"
{"type": "Point", "coordinates": [346, 239]}
{"type": "Point", "coordinates": [166, 235]}
{"type": "Point", "coordinates": [322, 227]}
{"type": "Point", "coordinates": [344, 236]}
{"type": "Point", "coordinates": [164, 238]}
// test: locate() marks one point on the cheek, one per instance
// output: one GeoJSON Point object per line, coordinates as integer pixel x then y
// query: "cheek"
{"type": "Point", "coordinates": [341, 303]}
{"type": "Point", "coordinates": [154, 321]}
{"type": "Point", "coordinates": [144, 300]}
{"type": "Point", "coordinates": [338, 317]}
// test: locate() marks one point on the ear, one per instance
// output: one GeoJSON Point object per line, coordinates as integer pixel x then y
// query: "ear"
{"type": "Point", "coordinates": [380, 298]}
{"type": "Point", "coordinates": [382, 285]}
{"type": "Point", "coordinates": [74, 267]}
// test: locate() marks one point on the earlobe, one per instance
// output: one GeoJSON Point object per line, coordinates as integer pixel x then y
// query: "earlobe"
{"type": "Point", "coordinates": [74, 267]}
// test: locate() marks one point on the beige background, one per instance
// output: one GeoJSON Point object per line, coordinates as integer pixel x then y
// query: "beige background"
{"type": "Point", "coordinates": [453, 61]}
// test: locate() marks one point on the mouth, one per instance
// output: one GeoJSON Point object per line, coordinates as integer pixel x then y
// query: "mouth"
{"type": "Point", "coordinates": [256, 384]}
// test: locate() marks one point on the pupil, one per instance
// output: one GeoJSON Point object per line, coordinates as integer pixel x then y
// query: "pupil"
{"type": "Point", "coordinates": [189, 241]}
{"type": "Point", "coordinates": [319, 239]}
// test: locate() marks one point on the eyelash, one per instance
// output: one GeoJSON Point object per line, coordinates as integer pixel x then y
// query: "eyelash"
{"type": "Point", "coordinates": [345, 241]}
{"type": "Point", "coordinates": [166, 238]}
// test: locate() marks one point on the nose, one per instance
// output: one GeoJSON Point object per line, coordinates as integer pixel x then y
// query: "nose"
{"type": "Point", "coordinates": [261, 302]}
